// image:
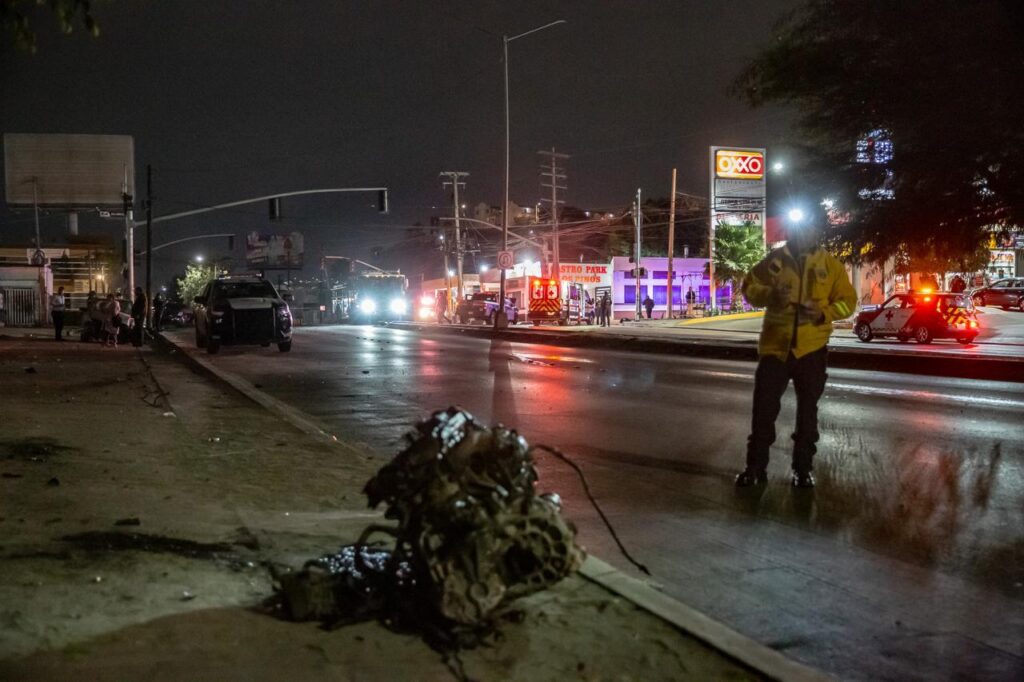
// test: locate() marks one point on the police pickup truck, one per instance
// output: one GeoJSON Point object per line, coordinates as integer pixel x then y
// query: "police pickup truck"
{"type": "Point", "coordinates": [483, 306]}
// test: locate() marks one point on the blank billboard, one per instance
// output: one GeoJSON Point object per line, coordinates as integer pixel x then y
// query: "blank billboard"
{"type": "Point", "coordinates": [68, 171]}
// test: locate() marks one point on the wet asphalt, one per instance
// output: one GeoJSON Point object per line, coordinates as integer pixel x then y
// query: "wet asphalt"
{"type": "Point", "coordinates": [906, 562]}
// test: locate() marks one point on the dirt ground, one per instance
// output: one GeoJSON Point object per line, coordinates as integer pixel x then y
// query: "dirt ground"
{"type": "Point", "coordinates": [141, 504]}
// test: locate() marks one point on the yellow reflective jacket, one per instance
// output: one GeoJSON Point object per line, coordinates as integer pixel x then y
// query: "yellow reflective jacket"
{"type": "Point", "coordinates": [823, 281]}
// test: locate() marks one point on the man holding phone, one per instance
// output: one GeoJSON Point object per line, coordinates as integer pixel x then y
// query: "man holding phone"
{"type": "Point", "coordinates": [803, 289]}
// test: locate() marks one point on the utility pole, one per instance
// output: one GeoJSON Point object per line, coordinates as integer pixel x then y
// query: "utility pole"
{"type": "Point", "coordinates": [129, 228]}
{"type": "Point", "coordinates": [671, 245]}
{"type": "Point", "coordinates": [554, 175]}
{"type": "Point", "coordinates": [448, 273]}
{"type": "Point", "coordinates": [149, 242]}
{"type": "Point", "coordinates": [638, 220]}
{"type": "Point", "coordinates": [459, 251]}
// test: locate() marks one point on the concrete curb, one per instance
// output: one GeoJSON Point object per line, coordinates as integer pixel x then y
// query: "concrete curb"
{"type": "Point", "coordinates": [720, 318]}
{"type": "Point", "coordinates": [960, 367]}
{"type": "Point", "coordinates": [295, 417]}
{"type": "Point", "coordinates": [756, 656]}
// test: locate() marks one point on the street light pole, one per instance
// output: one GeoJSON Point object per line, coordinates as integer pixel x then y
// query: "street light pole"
{"type": "Point", "coordinates": [500, 318]}
{"type": "Point", "coordinates": [671, 245]}
{"type": "Point", "coordinates": [638, 221]}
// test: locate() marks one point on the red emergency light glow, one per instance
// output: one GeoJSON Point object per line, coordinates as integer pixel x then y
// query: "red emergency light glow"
{"type": "Point", "coordinates": [974, 325]}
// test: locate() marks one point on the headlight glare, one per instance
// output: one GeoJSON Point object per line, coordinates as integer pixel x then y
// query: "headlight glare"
{"type": "Point", "coordinates": [368, 306]}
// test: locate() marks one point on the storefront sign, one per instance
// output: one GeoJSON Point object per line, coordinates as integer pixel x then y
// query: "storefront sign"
{"type": "Point", "coordinates": [739, 165]}
{"type": "Point", "coordinates": [753, 219]}
{"type": "Point", "coordinates": [585, 273]}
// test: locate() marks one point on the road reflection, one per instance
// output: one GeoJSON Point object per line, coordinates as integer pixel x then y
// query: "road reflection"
{"type": "Point", "coordinates": [919, 503]}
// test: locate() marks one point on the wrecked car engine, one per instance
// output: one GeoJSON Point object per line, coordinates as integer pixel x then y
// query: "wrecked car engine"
{"type": "Point", "coordinates": [472, 534]}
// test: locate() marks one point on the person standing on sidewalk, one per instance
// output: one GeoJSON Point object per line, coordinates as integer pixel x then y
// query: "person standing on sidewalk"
{"type": "Point", "coordinates": [158, 311]}
{"type": "Point", "coordinates": [57, 307]}
{"type": "Point", "coordinates": [649, 305]}
{"type": "Point", "coordinates": [606, 305]}
{"type": "Point", "coordinates": [691, 300]}
{"type": "Point", "coordinates": [138, 312]}
{"type": "Point", "coordinates": [110, 312]}
{"type": "Point", "coordinates": [803, 289]}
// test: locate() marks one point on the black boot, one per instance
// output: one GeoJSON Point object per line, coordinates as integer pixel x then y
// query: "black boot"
{"type": "Point", "coordinates": [749, 477]}
{"type": "Point", "coordinates": [802, 479]}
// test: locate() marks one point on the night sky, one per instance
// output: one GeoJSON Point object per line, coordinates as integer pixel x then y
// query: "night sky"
{"type": "Point", "coordinates": [229, 100]}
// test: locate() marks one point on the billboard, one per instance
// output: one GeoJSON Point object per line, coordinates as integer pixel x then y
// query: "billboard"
{"type": "Point", "coordinates": [68, 171]}
{"type": "Point", "coordinates": [737, 179]}
{"type": "Point", "coordinates": [269, 250]}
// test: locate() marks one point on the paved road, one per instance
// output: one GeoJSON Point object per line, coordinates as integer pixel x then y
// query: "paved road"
{"type": "Point", "coordinates": [907, 561]}
{"type": "Point", "coordinates": [1002, 334]}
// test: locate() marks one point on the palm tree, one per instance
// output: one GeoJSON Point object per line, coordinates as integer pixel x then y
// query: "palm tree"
{"type": "Point", "coordinates": [738, 248]}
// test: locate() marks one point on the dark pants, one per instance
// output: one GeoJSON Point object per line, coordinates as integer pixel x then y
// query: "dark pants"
{"type": "Point", "coordinates": [649, 313]}
{"type": "Point", "coordinates": [770, 382]}
{"type": "Point", "coordinates": [138, 330]}
{"type": "Point", "coordinates": [58, 323]}
{"type": "Point", "coordinates": [158, 313]}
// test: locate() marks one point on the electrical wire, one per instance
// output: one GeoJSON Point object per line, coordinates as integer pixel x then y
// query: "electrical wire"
{"type": "Point", "coordinates": [586, 489]}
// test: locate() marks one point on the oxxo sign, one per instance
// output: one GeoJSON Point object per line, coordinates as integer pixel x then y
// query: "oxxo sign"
{"type": "Point", "coordinates": [739, 165]}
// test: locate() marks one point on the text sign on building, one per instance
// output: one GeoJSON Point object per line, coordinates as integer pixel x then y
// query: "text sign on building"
{"type": "Point", "coordinates": [585, 273]}
{"type": "Point", "coordinates": [739, 164]}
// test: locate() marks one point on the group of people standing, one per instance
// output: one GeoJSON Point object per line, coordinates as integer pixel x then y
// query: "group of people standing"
{"type": "Point", "coordinates": [603, 307]}
{"type": "Point", "coordinates": [102, 317]}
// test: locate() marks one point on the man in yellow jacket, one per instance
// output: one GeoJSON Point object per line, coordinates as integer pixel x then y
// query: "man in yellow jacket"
{"type": "Point", "coordinates": [803, 289]}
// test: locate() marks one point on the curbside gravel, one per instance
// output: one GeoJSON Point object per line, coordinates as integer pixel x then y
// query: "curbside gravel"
{"type": "Point", "coordinates": [763, 660]}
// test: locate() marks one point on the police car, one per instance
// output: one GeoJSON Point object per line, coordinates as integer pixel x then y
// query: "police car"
{"type": "Point", "coordinates": [921, 316]}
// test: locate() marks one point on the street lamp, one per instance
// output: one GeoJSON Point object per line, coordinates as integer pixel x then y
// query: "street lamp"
{"type": "Point", "coordinates": [199, 259]}
{"type": "Point", "coordinates": [778, 166]}
{"type": "Point", "coordinates": [500, 318]}
{"type": "Point", "coordinates": [795, 215]}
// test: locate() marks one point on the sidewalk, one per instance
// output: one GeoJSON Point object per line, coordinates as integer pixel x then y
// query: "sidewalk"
{"type": "Point", "coordinates": [140, 505]}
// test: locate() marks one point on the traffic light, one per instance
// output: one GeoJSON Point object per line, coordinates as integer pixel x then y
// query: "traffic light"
{"type": "Point", "coordinates": [231, 243]}
{"type": "Point", "coordinates": [382, 201]}
{"type": "Point", "coordinates": [275, 208]}
{"type": "Point", "coordinates": [643, 272]}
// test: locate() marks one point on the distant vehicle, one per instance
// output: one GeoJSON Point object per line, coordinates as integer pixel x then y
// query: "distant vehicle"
{"type": "Point", "coordinates": [379, 297]}
{"type": "Point", "coordinates": [241, 310]}
{"type": "Point", "coordinates": [483, 306]}
{"type": "Point", "coordinates": [1006, 293]}
{"type": "Point", "coordinates": [921, 316]}
{"type": "Point", "coordinates": [176, 314]}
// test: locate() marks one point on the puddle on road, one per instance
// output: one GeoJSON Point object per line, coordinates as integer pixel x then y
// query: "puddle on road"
{"type": "Point", "coordinates": [925, 505]}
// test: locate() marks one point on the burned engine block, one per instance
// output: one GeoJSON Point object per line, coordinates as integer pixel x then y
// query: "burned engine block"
{"type": "Point", "coordinates": [472, 533]}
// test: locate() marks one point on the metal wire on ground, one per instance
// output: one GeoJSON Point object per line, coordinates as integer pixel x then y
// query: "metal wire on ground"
{"type": "Point", "coordinates": [586, 489]}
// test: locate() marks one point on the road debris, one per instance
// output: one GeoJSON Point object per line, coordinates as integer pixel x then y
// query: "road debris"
{"type": "Point", "coordinates": [472, 536]}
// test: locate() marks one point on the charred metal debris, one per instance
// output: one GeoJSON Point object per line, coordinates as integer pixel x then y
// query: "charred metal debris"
{"type": "Point", "coordinates": [472, 535]}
